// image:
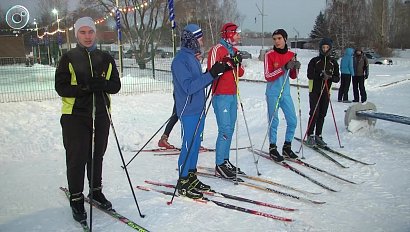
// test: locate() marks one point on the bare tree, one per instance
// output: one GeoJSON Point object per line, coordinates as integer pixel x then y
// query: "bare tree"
{"type": "Point", "coordinates": [45, 7]}
{"type": "Point", "coordinates": [140, 21]}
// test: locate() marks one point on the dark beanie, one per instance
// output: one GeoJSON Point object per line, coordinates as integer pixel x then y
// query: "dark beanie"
{"type": "Point", "coordinates": [326, 41]}
{"type": "Point", "coordinates": [281, 32]}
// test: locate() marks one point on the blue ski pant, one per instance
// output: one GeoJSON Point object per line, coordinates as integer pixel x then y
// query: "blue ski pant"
{"type": "Point", "coordinates": [288, 109]}
{"type": "Point", "coordinates": [225, 108]}
{"type": "Point", "coordinates": [188, 126]}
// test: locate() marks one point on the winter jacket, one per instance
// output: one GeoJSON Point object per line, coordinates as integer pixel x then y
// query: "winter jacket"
{"type": "Point", "coordinates": [226, 83]}
{"type": "Point", "coordinates": [275, 72]}
{"type": "Point", "coordinates": [189, 83]}
{"type": "Point", "coordinates": [315, 70]}
{"type": "Point", "coordinates": [361, 65]}
{"type": "Point", "coordinates": [346, 64]}
{"type": "Point", "coordinates": [74, 70]}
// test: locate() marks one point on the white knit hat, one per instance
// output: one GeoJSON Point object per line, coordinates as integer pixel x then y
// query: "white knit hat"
{"type": "Point", "coordinates": [84, 22]}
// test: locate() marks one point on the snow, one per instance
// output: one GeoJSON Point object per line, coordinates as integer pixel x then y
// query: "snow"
{"type": "Point", "coordinates": [32, 164]}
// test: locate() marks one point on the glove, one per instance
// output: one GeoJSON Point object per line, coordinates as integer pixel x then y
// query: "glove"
{"type": "Point", "coordinates": [326, 76]}
{"type": "Point", "coordinates": [97, 84]}
{"type": "Point", "coordinates": [237, 59]}
{"type": "Point", "coordinates": [293, 64]}
{"type": "Point", "coordinates": [218, 69]}
{"type": "Point", "coordinates": [366, 76]}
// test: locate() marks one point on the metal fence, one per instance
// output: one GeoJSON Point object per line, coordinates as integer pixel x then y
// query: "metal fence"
{"type": "Point", "coordinates": [23, 80]}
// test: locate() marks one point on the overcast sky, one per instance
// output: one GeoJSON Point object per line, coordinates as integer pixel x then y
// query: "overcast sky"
{"type": "Point", "coordinates": [291, 15]}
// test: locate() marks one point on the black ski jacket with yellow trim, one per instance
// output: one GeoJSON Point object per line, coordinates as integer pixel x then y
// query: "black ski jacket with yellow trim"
{"type": "Point", "coordinates": [75, 69]}
{"type": "Point", "coordinates": [314, 72]}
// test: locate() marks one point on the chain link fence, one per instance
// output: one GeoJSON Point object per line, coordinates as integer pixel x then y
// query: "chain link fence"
{"type": "Point", "coordinates": [25, 79]}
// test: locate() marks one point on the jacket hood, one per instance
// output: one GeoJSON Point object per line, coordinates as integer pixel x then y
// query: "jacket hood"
{"type": "Point", "coordinates": [348, 52]}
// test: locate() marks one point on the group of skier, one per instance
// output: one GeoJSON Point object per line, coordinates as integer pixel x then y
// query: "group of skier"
{"type": "Point", "coordinates": [224, 67]}
{"type": "Point", "coordinates": [86, 76]}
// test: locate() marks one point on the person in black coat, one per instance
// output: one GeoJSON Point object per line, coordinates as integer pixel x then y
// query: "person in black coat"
{"type": "Point", "coordinates": [361, 73]}
{"type": "Point", "coordinates": [322, 71]}
{"type": "Point", "coordinates": [84, 79]}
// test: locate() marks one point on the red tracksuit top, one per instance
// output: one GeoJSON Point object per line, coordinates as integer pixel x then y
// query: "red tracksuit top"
{"type": "Point", "coordinates": [225, 85]}
{"type": "Point", "coordinates": [274, 65]}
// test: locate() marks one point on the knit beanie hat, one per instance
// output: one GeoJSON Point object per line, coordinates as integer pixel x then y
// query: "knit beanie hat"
{"type": "Point", "coordinates": [281, 32]}
{"type": "Point", "coordinates": [326, 41]}
{"type": "Point", "coordinates": [195, 30]}
{"type": "Point", "coordinates": [84, 22]}
{"type": "Point", "coordinates": [189, 39]}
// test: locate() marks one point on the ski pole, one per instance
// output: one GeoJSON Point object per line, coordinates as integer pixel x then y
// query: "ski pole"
{"type": "Point", "coordinates": [333, 114]}
{"type": "Point", "coordinates": [91, 185]}
{"type": "Point", "coordinates": [299, 107]}
{"type": "Point", "coordinates": [255, 160]}
{"type": "Point", "coordinates": [300, 111]}
{"type": "Point", "coordinates": [149, 140]}
{"type": "Point", "coordinates": [122, 157]}
{"type": "Point", "coordinates": [276, 108]}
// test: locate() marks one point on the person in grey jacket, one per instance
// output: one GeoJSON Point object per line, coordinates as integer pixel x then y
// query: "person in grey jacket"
{"type": "Point", "coordinates": [347, 71]}
{"type": "Point", "coordinates": [361, 73]}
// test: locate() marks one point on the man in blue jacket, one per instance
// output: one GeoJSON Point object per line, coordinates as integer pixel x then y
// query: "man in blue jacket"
{"type": "Point", "coordinates": [189, 89]}
{"type": "Point", "coordinates": [347, 71]}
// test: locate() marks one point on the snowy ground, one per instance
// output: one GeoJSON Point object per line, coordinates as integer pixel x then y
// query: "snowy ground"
{"type": "Point", "coordinates": [32, 165]}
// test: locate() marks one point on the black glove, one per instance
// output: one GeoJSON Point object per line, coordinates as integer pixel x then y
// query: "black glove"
{"type": "Point", "coordinates": [97, 84]}
{"type": "Point", "coordinates": [366, 76]}
{"type": "Point", "coordinates": [293, 64]}
{"type": "Point", "coordinates": [325, 76]}
{"type": "Point", "coordinates": [237, 59]}
{"type": "Point", "coordinates": [218, 69]}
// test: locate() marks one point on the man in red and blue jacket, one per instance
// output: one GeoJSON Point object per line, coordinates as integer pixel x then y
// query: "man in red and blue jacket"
{"type": "Point", "coordinates": [280, 64]}
{"type": "Point", "coordinates": [224, 100]}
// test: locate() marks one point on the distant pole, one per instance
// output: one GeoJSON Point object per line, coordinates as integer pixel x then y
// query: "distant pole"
{"type": "Point", "coordinates": [261, 12]}
{"type": "Point", "coordinates": [119, 37]}
{"type": "Point", "coordinates": [296, 37]}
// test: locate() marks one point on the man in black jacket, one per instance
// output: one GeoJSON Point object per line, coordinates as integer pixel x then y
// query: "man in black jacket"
{"type": "Point", "coordinates": [84, 79]}
{"type": "Point", "coordinates": [361, 73]}
{"type": "Point", "coordinates": [322, 71]}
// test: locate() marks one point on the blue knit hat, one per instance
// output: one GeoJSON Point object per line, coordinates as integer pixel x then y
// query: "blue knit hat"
{"type": "Point", "coordinates": [195, 30]}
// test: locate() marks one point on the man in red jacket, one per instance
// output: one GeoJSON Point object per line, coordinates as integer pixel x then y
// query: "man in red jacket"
{"type": "Point", "coordinates": [280, 64]}
{"type": "Point", "coordinates": [224, 98]}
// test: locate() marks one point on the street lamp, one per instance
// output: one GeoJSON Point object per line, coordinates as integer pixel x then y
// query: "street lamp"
{"type": "Point", "coordinates": [54, 11]}
{"type": "Point", "coordinates": [38, 44]}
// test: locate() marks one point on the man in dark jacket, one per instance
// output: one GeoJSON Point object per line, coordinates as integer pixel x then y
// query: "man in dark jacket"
{"type": "Point", "coordinates": [361, 73]}
{"type": "Point", "coordinates": [84, 79]}
{"type": "Point", "coordinates": [322, 71]}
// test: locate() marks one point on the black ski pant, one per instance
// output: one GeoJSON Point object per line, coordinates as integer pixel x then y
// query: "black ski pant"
{"type": "Point", "coordinates": [320, 113]}
{"type": "Point", "coordinates": [77, 140]}
{"type": "Point", "coordinates": [172, 121]}
{"type": "Point", "coordinates": [358, 85]}
{"type": "Point", "coordinates": [343, 94]}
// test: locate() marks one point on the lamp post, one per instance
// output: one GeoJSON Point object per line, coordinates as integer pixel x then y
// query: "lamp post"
{"type": "Point", "coordinates": [55, 11]}
{"type": "Point", "coordinates": [38, 44]}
